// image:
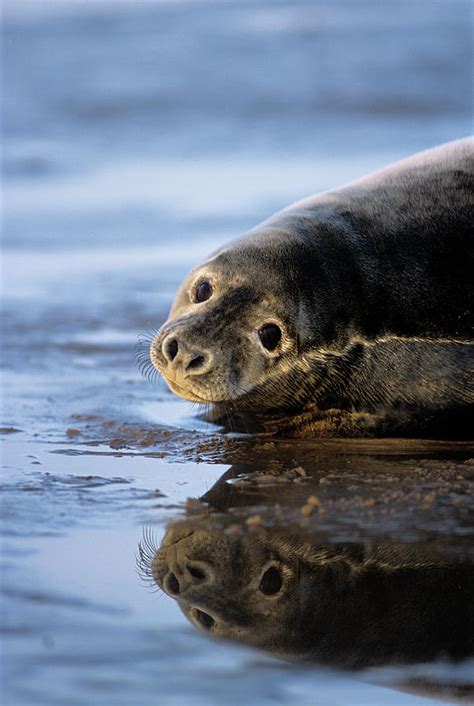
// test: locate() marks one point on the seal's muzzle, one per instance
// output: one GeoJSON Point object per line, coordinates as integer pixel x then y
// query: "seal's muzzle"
{"type": "Point", "coordinates": [182, 358]}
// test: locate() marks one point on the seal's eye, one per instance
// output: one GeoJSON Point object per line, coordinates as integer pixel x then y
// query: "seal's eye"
{"type": "Point", "coordinates": [203, 291]}
{"type": "Point", "coordinates": [206, 620]}
{"type": "Point", "coordinates": [270, 336]}
{"type": "Point", "coordinates": [271, 581]}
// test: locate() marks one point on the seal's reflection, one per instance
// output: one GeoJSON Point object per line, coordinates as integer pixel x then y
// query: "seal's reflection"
{"type": "Point", "coordinates": [283, 590]}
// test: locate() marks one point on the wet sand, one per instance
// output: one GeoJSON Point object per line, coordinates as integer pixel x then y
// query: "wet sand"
{"type": "Point", "coordinates": [74, 509]}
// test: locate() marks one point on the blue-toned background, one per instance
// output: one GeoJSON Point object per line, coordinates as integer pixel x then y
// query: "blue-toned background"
{"type": "Point", "coordinates": [138, 136]}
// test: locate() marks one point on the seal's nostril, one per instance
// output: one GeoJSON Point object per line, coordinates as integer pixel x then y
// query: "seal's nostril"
{"type": "Point", "coordinates": [171, 349]}
{"type": "Point", "coordinates": [172, 584]}
{"type": "Point", "coordinates": [196, 572]}
{"type": "Point", "coordinates": [196, 363]}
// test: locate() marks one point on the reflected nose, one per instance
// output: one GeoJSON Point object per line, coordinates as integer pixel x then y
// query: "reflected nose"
{"type": "Point", "coordinates": [171, 584]}
{"type": "Point", "coordinates": [185, 357]}
{"type": "Point", "coordinates": [179, 578]}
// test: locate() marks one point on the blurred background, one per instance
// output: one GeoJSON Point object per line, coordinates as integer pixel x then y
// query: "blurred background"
{"type": "Point", "coordinates": [137, 137]}
{"type": "Point", "coordinates": [148, 122]}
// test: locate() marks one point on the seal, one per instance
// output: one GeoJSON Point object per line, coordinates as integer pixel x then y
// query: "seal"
{"type": "Point", "coordinates": [298, 597]}
{"type": "Point", "coordinates": [347, 313]}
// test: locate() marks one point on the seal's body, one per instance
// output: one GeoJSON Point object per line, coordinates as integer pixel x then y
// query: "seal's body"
{"type": "Point", "coordinates": [349, 313]}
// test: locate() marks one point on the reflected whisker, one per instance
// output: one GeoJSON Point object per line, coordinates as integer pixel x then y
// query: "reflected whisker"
{"type": "Point", "coordinates": [147, 550]}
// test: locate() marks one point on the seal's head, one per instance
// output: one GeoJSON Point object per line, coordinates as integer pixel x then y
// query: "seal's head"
{"type": "Point", "coordinates": [246, 588]}
{"type": "Point", "coordinates": [238, 326]}
{"type": "Point", "coordinates": [287, 590]}
{"type": "Point", "coordinates": [269, 587]}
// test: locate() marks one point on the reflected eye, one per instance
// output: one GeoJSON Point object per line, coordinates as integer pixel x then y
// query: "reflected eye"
{"type": "Point", "coordinates": [203, 291]}
{"type": "Point", "coordinates": [270, 336]}
{"type": "Point", "coordinates": [271, 582]}
{"type": "Point", "coordinates": [206, 620]}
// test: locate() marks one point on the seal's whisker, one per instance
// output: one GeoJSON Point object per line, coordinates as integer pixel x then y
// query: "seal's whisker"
{"type": "Point", "coordinates": [143, 356]}
{"type": "Point", "coordinates": [145, 339]}
{"type": "Point", "coordinates": [231, 417]}
{"type": "Point", "coordinates": [228, 416]}
{"type": "Point", "coordinates": [147, 550]}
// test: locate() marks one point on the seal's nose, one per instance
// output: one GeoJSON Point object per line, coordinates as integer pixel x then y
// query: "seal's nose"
{"type": "Point", "coordinates": [170, 349]}
{"type": "Point", "coordinates": [186, 358]}
{"type": "Point", "coordinates": [181, 577]}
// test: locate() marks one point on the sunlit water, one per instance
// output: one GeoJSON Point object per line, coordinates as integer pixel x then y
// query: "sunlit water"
{"type": "Point", "coordinates": [137, 138]}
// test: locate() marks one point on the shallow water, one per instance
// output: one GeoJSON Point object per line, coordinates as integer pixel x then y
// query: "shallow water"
{"type": "Point", "coordinates": [168, 130]}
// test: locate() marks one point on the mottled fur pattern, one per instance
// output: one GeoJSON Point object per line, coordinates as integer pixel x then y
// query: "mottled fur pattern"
{"type": "Point", "coordinates": [372, 288]}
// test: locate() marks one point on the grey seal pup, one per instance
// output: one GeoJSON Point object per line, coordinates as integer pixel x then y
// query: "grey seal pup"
{"type": "Point", "coordinates": [347, 313]}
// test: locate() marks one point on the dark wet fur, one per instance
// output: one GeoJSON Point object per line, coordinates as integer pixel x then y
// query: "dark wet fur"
{"type": "Point", "coordinates": [372, 390]}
